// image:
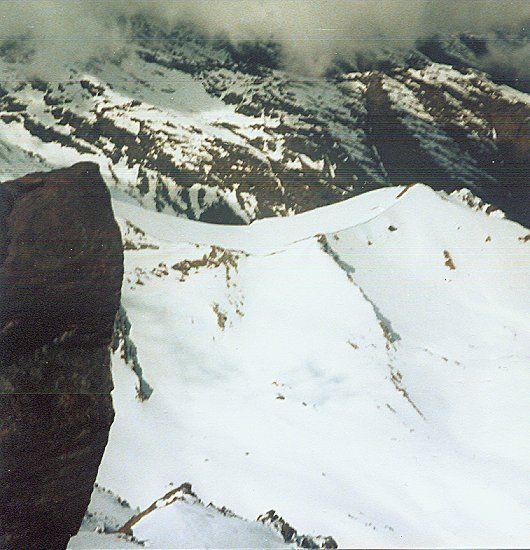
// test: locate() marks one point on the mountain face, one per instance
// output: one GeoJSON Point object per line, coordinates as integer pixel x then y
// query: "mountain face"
{"type": "Point", "coordinates": [354, 360]}
{"type": "Point", "coordinates": [218, 133]}
{"type": "Point", "coordinates": [359, 369]}
{"type": "Point", "coordinates": [60, 278]}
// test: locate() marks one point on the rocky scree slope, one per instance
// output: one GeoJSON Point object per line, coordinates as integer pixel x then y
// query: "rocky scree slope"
{"type": "Point", "coordinates": [61, 267]}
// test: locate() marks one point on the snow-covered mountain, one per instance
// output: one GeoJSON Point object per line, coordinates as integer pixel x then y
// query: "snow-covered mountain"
{"type": "Point", "coordinates": [225, 134]}
{"type": "Point", "coordinates": [179, 519]}
{"type": "Point", "coordinates": [346, 345]}
{"type": "Point", "coordinates": [361, 369]}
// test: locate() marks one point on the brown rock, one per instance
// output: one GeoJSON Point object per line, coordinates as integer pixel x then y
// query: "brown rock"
{"type": "Point", "coordinates": [61, 266]}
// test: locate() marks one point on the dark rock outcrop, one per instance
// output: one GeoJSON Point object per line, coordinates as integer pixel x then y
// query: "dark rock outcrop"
{"type": "Point", "coordinates": [121, 340]}
{"type": "Point", "coordinates": [290, 534]}
{"type": "Point", "coordinates": [61, 266]}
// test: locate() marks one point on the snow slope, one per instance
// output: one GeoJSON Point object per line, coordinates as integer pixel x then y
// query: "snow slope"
{"type": "Point", "coordinates": [361, 369]}
{"type": "Point", "coordinates": [177, 520]}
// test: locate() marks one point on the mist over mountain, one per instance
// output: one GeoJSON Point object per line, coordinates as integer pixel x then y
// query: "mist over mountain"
{"type": "Point", "coordinates": [312, 35]}
{"type": "Point", "coordinates": [192, 117]}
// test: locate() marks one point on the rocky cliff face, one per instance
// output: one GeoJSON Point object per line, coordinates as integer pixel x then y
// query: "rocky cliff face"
{"type": "Point", "coordinates": [60, 278]}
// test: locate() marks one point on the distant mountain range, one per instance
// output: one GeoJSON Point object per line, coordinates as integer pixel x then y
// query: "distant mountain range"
{"type": "Point", "coordinates": [223, 133]}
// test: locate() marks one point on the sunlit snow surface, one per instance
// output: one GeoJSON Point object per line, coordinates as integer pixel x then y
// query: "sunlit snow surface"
{"type": "Point", "coordinates": [179, 522]}
{"type": "Point", "coordinates": [362, 369]}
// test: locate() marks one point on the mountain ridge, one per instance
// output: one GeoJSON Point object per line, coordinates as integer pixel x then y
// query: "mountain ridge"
{"type": "Point", "coordinates": [395, 316]}
{"type": "Point", "coordinates": [184, 126]}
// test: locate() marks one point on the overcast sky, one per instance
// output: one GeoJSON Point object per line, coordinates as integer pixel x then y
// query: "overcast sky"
{"type": "Point", "coordinates": [311, 32]}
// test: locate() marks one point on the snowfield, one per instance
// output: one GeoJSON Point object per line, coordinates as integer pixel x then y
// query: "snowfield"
{"type": "Point", "coordinates": [362, 369]}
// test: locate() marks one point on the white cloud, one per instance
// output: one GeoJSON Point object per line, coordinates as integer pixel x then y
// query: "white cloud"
{"type": "Point", "coordinates": [312, 32]}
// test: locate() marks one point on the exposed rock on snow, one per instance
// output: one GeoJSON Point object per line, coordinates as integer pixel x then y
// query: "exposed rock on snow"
{"type": "Point", "coordinates": [123, 343]}
{"type": "Point", "coordinates": [180, 519]}
{"type": "Point", "coordinates": [60, 278]}
{"type": "Point", "coordinates": [290, 534]}
{"type": "Point", "coordinates": [467, 197]}
{"type": "Point", "coordinates": [134, 238]}
{"type": "Point", "coordinates": [106, 513]}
